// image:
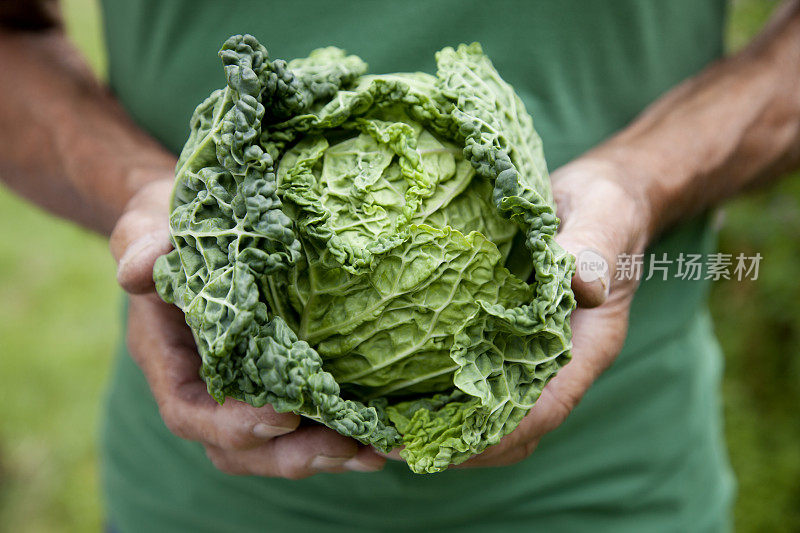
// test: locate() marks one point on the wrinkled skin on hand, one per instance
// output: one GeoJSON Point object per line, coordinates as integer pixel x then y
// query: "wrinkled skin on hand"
{"type": "Point", "coordinates": [239, 438]}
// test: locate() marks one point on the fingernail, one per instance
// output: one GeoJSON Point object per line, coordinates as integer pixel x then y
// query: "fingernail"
{"type": "Point", "coordinates": [357, 465]}
{"type": "Point", "coordinates": [137, 247]}
{"type": "Point", "coordinates": [606, 281]}
{"type": "Point", "coordinates": [266, 431]}
{"type": "Point", "coordinates": [325, 462]}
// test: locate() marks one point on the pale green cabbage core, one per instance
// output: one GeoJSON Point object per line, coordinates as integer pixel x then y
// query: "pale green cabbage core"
{"type": "Point", "coordinates": [390, 332]}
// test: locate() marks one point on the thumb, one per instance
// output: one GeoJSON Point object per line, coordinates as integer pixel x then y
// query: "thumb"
{"type": "Point", "coordinates": [593, 260]}
{"type": "Point", "coordinates": [599, 220]}
{"type": "Point", "coordinates": [140, 236]}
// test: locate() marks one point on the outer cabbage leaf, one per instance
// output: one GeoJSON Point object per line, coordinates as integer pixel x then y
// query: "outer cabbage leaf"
{"type": "Point", "coordinates": [367, 285]}
{"type": "Point", "coordinates": [228, 230]}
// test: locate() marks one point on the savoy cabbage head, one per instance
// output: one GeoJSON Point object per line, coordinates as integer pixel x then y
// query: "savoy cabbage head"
{"type": "Point", "coordinates": [374, 252]}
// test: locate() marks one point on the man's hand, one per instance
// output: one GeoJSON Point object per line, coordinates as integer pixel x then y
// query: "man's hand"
{"type": "Point", "coordinates": [238, 438]}
{"type": "Point", "coordinates": [602, 215]}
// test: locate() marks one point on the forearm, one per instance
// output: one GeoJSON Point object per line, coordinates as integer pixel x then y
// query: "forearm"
{"type": "Point", "coordinates": [735, 125]}
{"type": "Point", "coordinates": [65, 143]}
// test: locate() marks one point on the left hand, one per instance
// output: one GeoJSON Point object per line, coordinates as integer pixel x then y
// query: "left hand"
{"type": "Point", "coordinates": [238, 438]}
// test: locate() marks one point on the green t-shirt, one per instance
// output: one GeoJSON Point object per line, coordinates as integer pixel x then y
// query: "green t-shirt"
{"type": "Point", "coordinates": [642, 452]}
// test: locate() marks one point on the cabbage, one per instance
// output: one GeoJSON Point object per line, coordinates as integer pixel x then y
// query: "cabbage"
{"type": "Point", "coordinates": [375, 253]}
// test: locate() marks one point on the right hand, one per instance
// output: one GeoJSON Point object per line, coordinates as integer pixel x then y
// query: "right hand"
{"type": "Point", "coordinates": [238, 438]}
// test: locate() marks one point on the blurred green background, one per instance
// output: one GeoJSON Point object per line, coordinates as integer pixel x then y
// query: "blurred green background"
{"type": "Point", "coordinates": [60, 323]}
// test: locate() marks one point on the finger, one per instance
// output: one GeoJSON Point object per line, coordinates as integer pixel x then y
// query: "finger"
{"type": "Point", "coordinates": [366, 460]}
{"type": "Point", "coordinates": [598, 336]}
{"type": "Point", "coordinates": [595, 228]}
{"type": "Point", "coordinates": [594, 250]}
{"type": "Point", "coordinates": [140, 236]}
{"type": "Point", "coordinates": [161, 343]}
{"type": "Point", "coordinates": [303, 453]}
{"type": "Point", "coordinates": [135, 267]}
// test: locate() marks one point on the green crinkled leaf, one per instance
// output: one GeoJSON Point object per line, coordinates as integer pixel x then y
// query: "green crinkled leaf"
{"type": "Point", "coordinates": [228, 229]}
{"type": "Point", "coordinates": [352, 248]}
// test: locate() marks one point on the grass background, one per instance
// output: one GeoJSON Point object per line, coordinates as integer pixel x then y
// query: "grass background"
{"type": "Point", "coordinates": [60, 322]}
